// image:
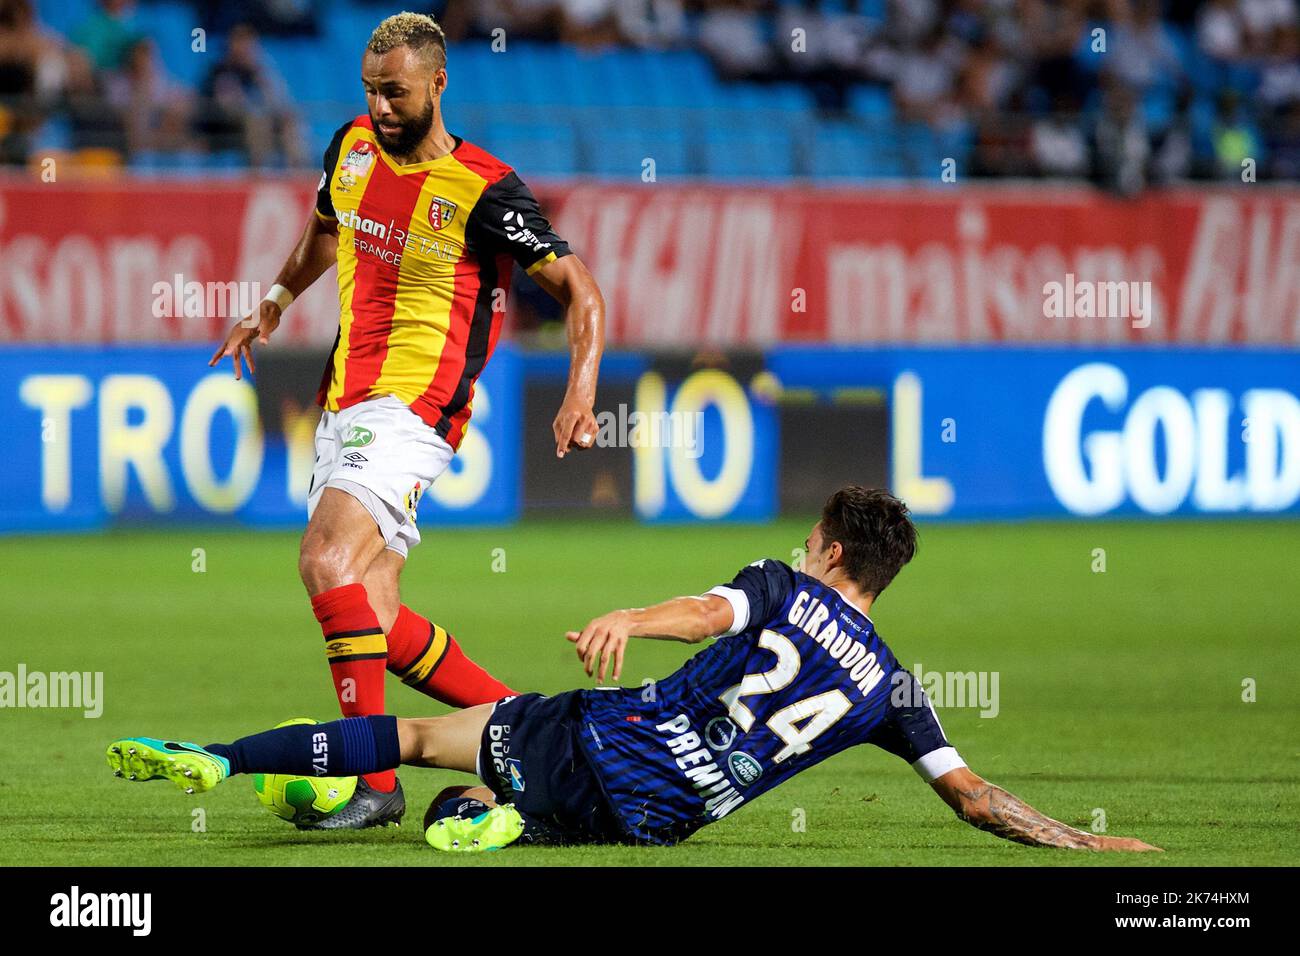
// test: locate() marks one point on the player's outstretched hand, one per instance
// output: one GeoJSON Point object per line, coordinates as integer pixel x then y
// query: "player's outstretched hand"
{"type": "Point", "coordinates": [574, 426]}
{"type": "Point", "coordinates": [239, 343]}
{"type": "Point", "coordinates": [1127, 845]}
{"type": "Point", "coordinates": [602, 639]}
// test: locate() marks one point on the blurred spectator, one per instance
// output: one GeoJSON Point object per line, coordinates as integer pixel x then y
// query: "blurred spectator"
{"type": "Point", "coordinates": [826, 51]}
{"type": "Point", "coordinates": [154, 110]}
{"type": "Point", "coordinates": [588, 23]}
{"type": "Point", "coordinates": [33, 71]}
{"type": "Point", "coordinates": [651, 23]}
{"type": "Point", "coordinates": [1174, 158]}
{"type": "Point", "coordinates": [1279, 83]}
{"type": "Point", "coordinates": [1141, 53]}
{"type": "Point", "coordinates": [108, 34]}
{"type": "Point", "coordinates": [1121, 143]}
{"type": "Point", "coordinates": [520, 19]}
{"type": "Point", "coordinates": [248, 106]}
{"type": "Point", "coordinates": [926, 84]}
{"type": "Point", "coordinates": [1057, 143]}
{"type": "Point", "coordinates": [267, 17]}
{"type": "Point", "coordinates": [1261, 19]}
{"type": "Point", "coordinates": [989, 77]}
{"type": "Point", "coordinates": [732, 35]}
{"type": "Point", "coordinates": [828, 41]}
{"type": "Point", "coordinates": [1220, 31]}
{"type": "Point", "coordinates": [1054, 32]}
{"type": "Point", "coordinates": [1285, 145]}
{"type": "Point", "coordinates": [912, 21]}
{"type": "Point", "coordinates": [1012, 86]}
{"type": "Point", "coordinates": [1234, 137]}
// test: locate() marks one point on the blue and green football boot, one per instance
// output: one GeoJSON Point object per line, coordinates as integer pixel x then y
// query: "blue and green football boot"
{"type": "Point", "coordinates": [187, 765]}
{"type": "Point", "coordinates": [489, 829]}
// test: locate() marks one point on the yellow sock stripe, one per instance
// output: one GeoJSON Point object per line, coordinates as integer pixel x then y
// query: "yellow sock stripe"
{"type": "Point", "coordinates": [427, 662]}
{"type": "Point", "coordinates": [353, 646]}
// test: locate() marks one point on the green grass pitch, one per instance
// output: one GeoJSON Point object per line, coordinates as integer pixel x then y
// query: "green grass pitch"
{"type": "Point", "coordinates": [1120, 692]}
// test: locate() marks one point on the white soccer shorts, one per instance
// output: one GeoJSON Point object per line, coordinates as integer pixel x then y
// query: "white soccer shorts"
{"type": "Point", "coordinates": [385, 456]}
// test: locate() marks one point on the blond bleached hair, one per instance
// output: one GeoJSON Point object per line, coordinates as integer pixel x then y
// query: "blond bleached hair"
{"type": "Point", "coordinates": [418, 31]}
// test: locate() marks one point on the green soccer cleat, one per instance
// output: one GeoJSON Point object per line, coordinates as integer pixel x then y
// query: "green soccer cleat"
{"type": "Point", "coordinates": [490, 830]}
{"type": "Point", "coordinates": [187, 765]}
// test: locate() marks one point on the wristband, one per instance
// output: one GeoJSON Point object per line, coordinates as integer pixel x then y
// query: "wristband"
{"type": "Point", "coordinates": [280, 296]}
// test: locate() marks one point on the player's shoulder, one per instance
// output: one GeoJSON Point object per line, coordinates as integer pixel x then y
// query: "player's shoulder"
{"type": "Point", "coordinates": [482, 163]}
{"type": "Point", "coordinates": [771, 565]}
{"type": "Point", "coordinates": [772, 570]}
{"type": "Point", "coordinates": [361, 122]}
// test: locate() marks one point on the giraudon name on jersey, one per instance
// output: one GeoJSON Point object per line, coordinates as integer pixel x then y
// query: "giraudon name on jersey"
{"type": "Point", "coordinates": [696, 761]}
{"type": "Point", "coordinates": [809, 615]}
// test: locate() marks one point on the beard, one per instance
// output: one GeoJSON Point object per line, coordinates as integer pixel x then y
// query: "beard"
{"type": "Point", "coordinates": [412, 133]}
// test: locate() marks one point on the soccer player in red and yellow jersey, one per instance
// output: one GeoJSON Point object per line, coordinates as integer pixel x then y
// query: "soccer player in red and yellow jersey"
{"type": "Point", "coordinates": [425, 228]}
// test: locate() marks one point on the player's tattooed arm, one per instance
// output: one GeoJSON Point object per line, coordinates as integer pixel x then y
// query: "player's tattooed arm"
{"type": "Point", "coordinates": [988, 807]}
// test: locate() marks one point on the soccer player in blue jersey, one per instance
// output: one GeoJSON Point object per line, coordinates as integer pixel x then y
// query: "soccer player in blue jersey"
{"type": "Point", "coordinates": [797, 674]}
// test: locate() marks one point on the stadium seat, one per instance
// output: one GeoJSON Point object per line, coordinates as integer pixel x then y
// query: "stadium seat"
{"type": "Point", "coordinates": [789, 97]}
{"type": "Point", "coordinates": [547, 149]}
{"type": "Point", "coordinates": [852, 151]}
{"type": "Point", "coordinates": [348, 27]}
{"type": "Point", "coordinates": [1085, 57]}
{"type": "Point", "coordinates": [305, 67]}
{"type": "Point", "coordinates": [155, 162]}
{"type": "Point", "coordinates": [871, 102]}
{"type": "Point", "coordinates": [1158, 108]}
{"type": "Point", "coordinates": [54, 135]}
{"type": "Point", "coordinates": [754, 153]}
{"type": "Point", "coordinates": [677, 78]}
{"type": "Point", "coordinates": [63, 16]}
{"type": "Point", "coordinates": [226, 161]}
{"type": "Point", "coordinates": [171, 26]}
{"type": "Point", "coordinates": [1201, 114]}
{"type": "Point", "coordinates": [620, 151]}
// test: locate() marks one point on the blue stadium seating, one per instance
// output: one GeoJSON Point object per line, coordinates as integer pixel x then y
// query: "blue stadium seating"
{"type": "Point", "coordinates": [619, 151]}
{"type": "Point", "coordinates": [749, 153]}
{"type": "Point", "coordinates": [171, 27]}
{"type": "Point", "coordinates": [557, 109]}
{"type": "Point", "coordinates": [540, 148]}
{"type": "Point", "coordinates": [855, 150]}
{"type": "Point", "coordinates": [871, 102]}
{"type": "Point", "coordinates": [63, 16]}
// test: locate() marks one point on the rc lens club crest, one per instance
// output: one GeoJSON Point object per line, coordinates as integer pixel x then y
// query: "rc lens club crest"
{"type": "Point", "coordinates": [441, 212]}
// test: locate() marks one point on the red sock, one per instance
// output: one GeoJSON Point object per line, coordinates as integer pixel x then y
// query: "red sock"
{"type": "Point", "coordinates": [427, 658]}
{"type": "Point", "coordinates": [357, 652]}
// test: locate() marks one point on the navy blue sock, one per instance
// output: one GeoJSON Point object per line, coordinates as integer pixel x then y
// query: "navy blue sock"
{"type": "Point", "coordinates": [341, 748]}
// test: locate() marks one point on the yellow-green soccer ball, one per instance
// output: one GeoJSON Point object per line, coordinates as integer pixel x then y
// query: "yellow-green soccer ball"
{"type": "Point", "coordinates": [303, 800]}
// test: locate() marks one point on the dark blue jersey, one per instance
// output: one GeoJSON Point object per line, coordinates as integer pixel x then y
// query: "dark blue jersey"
{"type": "Point", "coordinates": [801, 676]}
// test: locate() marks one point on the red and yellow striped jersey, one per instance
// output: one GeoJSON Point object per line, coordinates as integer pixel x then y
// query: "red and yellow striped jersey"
{"type": "Point", "coordinates": [422, 249]}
